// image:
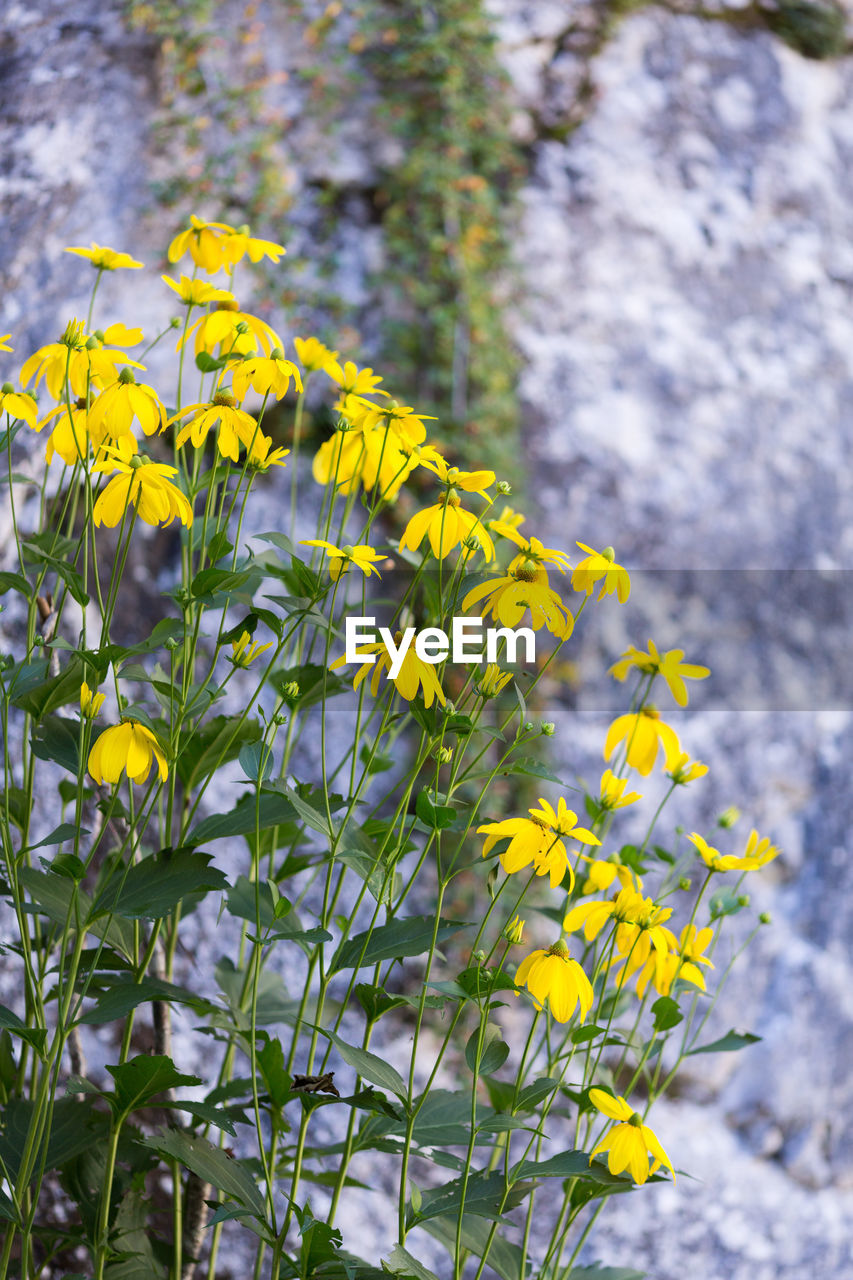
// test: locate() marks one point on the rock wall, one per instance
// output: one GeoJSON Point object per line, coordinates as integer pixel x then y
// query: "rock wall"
{"type": "Point", "coordinates": [686, 327]}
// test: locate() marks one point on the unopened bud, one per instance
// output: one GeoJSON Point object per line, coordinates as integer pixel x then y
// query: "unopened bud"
{"type": "Point", "coordinates": [728, 817]}
{"type": "Point", "coordinates": [529, 726]}
{"type": "Point", "coordinates": [92, 343]}
{"type": "Point", "coordinates": [765, 918]}
{"type": "Point", "coordinates": [280, 718]}
{"type": "Point", "coordinates": [684, 883]}
{"type": "Point", "coordinates": [175, 322]}
{"type": "Point", "coordinates": [242, 327]}
{"type": "Point", "coordinates": [171, 643]}
{"type": "Point", "coordinates": [290, 691]}
{"type": "Point", "coordinates": [479, 957]}
{"type": "Point", "coordinates": [443, 755]}
{"type": "Point", "coordinates": [276, 354]}
{"type": "Point", "coordinates": [743, 900]}
{"type": "Point", "coordinates": [548, 729]}
{"type": "Point", "coordinates": [126, 377]}
{"type": "Point", "coordinates": [504, 488]}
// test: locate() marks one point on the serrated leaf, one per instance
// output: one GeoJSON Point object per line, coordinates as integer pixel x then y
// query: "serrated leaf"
{"type": "Point", "coordinates": [275, 809]}
{"type": "Point", "coordinates": [56, 739]}
{"type": "Point", "coordinates": [667, 1013]}
{"type": "Point", "coordinates": [432, 815]}
{"type": "Point", "coordinates": [34, 1036]}
{"type": "Point", "coordinates": [142, 1078]}
{"type": "Point", "coordinates": [567, 1164]}
{"type": "Point", "coordinates": [212, 1165]}
{"type": "Point", "coordinates": [402, 1263]}
{"type": "Point", "coordinates": [154, 887]}
{"type": "Point", "coordinates": [485, 1197]}
{"type": "Point", "coordinates": [124, 995]}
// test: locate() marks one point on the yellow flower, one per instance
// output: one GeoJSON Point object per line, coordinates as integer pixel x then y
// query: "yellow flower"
{"type": "Point", "coordinates": [314, 356]}
{"type": "Point", "coordinates": [362, 556]}
{"type": "Point", "coordinates": [236, 331]}
{"type": "Point", "coordinates": [447, 525]}
{"type": "Point", "coordinates": [264, 374]}
{"type": "Point", "coordinates": [115, 409]}
{"type": "Point", "coordinates": [600, 565]}
{"type": "Point", "coordinates": [195, 293]}
{"type": "Point", "coordinates": [686, 770]}
{"type": "Point", "coordinates": [492, 681]}
{"type": "Point", "coordinates": [18, 404]}
{"type": "Point", "coordinates": [613, 792]}
{"type": "Point", "coordinates": [507, 523]}
{"type": "Point", "coordinates": [643, 733]}
{"type": "Point", "coordinates": [756, 855]}
{"type": "Point", "coordinates": [638, 921]}
{"type": "Point", "coordinates": [538, 839]}
{"type": "Point", "coordinates": [106, 259]}
{"type": "Point", "coordinates": [681, 962]}
{"type": "Point", "coordinates": [524, 588]}
{"type": "Point", "coordinates": [668, 665]}
{"type": "Point", "coordinates": [602, 872]}
{"type": "Point", "coordinates": [552, 975]}
{"type": "Point", "coordinates": [629, 1142]}
{"type": "Point", "coordinates": [85, 359]}
{"type": "Point", "coordinates": [244, 652]}
{"type": "Point", "coordinates": [260, 457]}
{"type": "Point", "coordinates": [205, 242]}
{"type": "Point", "coordinates": [144, 484]}
{"type": "Point", "coordinates": [532, 550]}
{"type": "Point", "coordinates": [351, 379]}
{"type": "Point", "coordinates": [70, 435]}
{"type": "Point", "coordinates": [236, 427]}
{"type": "Point", "coordinates": [127, 747]}
{"type": "Point", "coordinates": [414, 674]}
{"type": "Point", "coordinates": [90, 703]}
{"type": "Point", "coordinates": [240, 242]}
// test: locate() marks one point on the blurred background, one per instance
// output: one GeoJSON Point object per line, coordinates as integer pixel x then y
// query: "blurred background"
{"type": "Point", "coordinates": [610, 246]}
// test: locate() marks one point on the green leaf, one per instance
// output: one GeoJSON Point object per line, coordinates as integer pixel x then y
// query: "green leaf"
{"type": "Point", "coordinates": [484, 1198]}
{"type": "Point", "coordinates": [410, 936]}
{"type": "Point", "coordinates": [140, 1079]}
{"type": "Point", "coordinates": [33, 1035]}
{"type": "Point", "coordinates": [14, 582]}
{"type": "Point", "coordinates": [369, 1065]}
{"type": "Point", "coordinates": [727, 902]}
{"type": "Point", "coordinates": [598, 1272]}
{"type": "Point", "coordinates": [36, 549]}
{"type": "Point", "coordinates": [270, 1059]}
{"type": "Point", "coordinates": [51, 895]}
{"type": "Point", "coordinates": [316, 684]}
{"type": "Point", "coordinates": [71, 1132]}
{"type": "Point", "coordinates": [432, 815]}
{"type": "Point", "coordinates": [58, 691]}
{"type": "Point", "coordinates": [493, 1050]}
{"type": "Point", "coordinates": [504, 1258]}
{"type": "Point", "coordinates": [212, 581]}
{"type": "Point", "coordinates": [402, 1263]}
{"type": "Point", "coordinates": [275, 809]}
{"type": "Point", "coordinates": [382, 883]}
{"type": "Point", "coordinates": [206, 363]}
{"type": "Point", "coordinates": [667, 1013]}
{"type": "Point", "coordinates": [154, 887]}
{"type": "Point", "coordinates": [56, 739]}
{"type": "Point", "coordinates": [728, 1043]}
{"type": "Point", "coordinates": [216, 742]}
{"type": "Point", "coordinates": [568, 1164]}
{"type": "Point", "coordinates": [206, 1113]}
{"type": "Point", "coordinates": [125, 994]}
{"type": "Point", "coordinates": [65, 831]}
{"type": "Point", "coordinates": [212, 1165]}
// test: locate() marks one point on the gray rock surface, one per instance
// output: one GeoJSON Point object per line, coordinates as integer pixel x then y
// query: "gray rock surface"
{"type": "Point", "coordinates": [686, 332]}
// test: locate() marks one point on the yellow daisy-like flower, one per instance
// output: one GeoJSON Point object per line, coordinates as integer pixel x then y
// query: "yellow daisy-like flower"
{"type": "Point", "coordinates": [240, 243]}
{"type": "Point", "coordinates": [126, 748]}
{"type": "Point", "coordinates": [340, 558]}
{"type": "Point", "coordinates": [603, 871]}
{"type": "Point", "coordinates": [524, 589]}
{"type": "Point", "coordinates": [680, 962]}
{"type": "Point", "coordinates": [87, 360]}
{"type": "Point", "coordinates": [492, 681]}
{"type": "Point", "coordinates": [352, 380]}
{"type": "Point", "coordinates": [613, 792]}
{"type": "Point", "coordinates": [538, 839]}
{"type": "Point", "coordinates": [261, 458]}
{"type": "Point", "coordinates": [413, 677]}
{"type": "Point", "coordinates": [447, 525]}
{"type": "Point", "coordinates": [205, 243]}
{"type": "Point", "coordinates": [668, 665]}
{"type": "Point", "coordinates": [244, 652]}
{"type": "Point", "coordinates": [314, 356]}
{"type": "Point", "coordinates": [141, 483]}
{"type": "Point", "coordinates": [643, 734]}
{"type": "Point", "coordinates": [235, 331]}
{"type": "Point", "coordinates": [235, 426]}
{"type": "Point", "coordinates": [506, 524]}
{"type": "Point", "coordinates": [90, 703]}
{"type": "Point", "coordinates": [629, 1142]}
{"type": "Point", "coordinates": [638, 921]}
{"type": "Point", "coordinates": [18, 404]}
{"type": "Point", "coordinates": [756, 855]}
{"type": "Point", "coordinates": [686, 770]}
{"type": "Point", "coordinates": [104, 259]}
{"type": "Point", "coordinates": [601, 566]}
{"type": "Point", "coordinates": [554, 976]}
{"type": "Point", "coordinates": [115, 409]}
{"type": "Point", "coordinates": [70, 436]}
{"type": "Point", "coordinates": [531, 549]}
{"type": "Point", "coordinates": [265, 374]}
{"type": "Point", "coordinates": [196, 293]}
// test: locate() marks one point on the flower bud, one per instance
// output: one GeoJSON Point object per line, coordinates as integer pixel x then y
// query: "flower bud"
{"type": "Point", "coordinates": [728, 817]}
{"type": "Point", "coordinates": [529, 726]}
{"type": "Point", "coordinates": [548, 729]}
{"type": "Point", "coordinates": [276, 354]}
{"type": "Point", "coordinates": [684, 883]}
{"type": "Point", "coordinates": [765, 918]}
{"type": "Point", "coordinates": [514, 930]}
{"type": "Point", "coordinates": [171, 643]}
{"type": "Point", "coordinates": [743, 900]}
{"type": "Point", "coordinates": [443, 754]}
{"type": "Point", "coordinates": [126, 377]}
{"type": "Point", "coordinates": [242, 327]}
{"type": "Point", "coordinates": [504, 488]}
{"type": "Point", "coordinates": [175, 322]}
{"type": "Point", "coordinates": [479, 957]}
{"type": "Point", "coordinates": [290, 691]}
{"type": "Point", "coordinates": [92, 344]}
